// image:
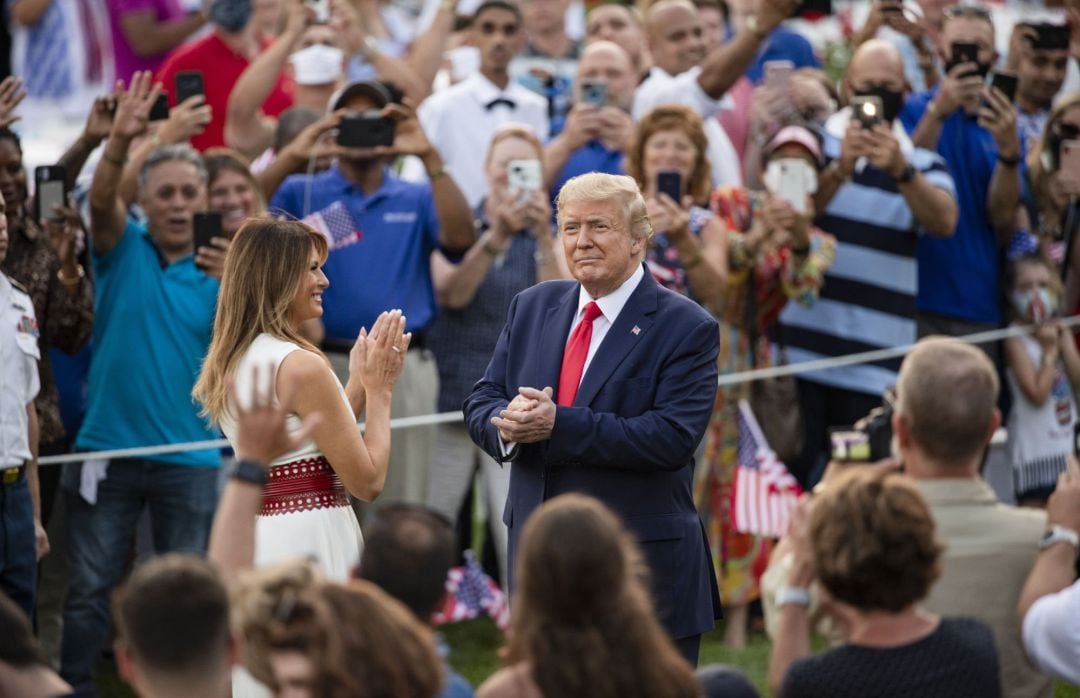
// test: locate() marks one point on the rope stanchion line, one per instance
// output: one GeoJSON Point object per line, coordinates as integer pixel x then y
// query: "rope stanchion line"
{"type": "Point", "coordinates": [456, 417]}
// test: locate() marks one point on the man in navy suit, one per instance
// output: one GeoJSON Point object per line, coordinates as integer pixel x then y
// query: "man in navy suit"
{"type": "Point", "coordinates": [604, 386]}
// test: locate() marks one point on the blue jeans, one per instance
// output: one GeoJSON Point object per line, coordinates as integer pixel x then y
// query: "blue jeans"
{"type": "Point", "coordinates": [181, 501]}
{"type": "Point", "coordinates": [18, 549]}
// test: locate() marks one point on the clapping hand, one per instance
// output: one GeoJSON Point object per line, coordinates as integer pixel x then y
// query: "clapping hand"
{"type": "Point", "coordinates": [378, 357]}
{"type": "Point", "coordinates": [261, 432]}
{"type": "Point", "coordinates": [529, 418]}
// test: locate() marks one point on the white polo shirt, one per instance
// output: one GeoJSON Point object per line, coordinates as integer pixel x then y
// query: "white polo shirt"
{"type": "Point", "coordinates": [1052, 633]}
{"type": "Point", "coordinates": [459, 122]}
{"type": "Point", "coordinates": [19, 383]}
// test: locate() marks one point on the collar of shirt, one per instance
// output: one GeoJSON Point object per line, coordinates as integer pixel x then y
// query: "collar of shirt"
{"type": "Point", "coordinates": [966, 491]}
{"type": "Point", "coordinates": [484, 90]}
{"type": "Point", "coordinates": [336, 183]}
{"type": "Point", "coordinates": [611, 304]}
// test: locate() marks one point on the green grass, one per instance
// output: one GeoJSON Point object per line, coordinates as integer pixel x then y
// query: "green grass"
{"type": "Point", "coordinates": [475, 646]}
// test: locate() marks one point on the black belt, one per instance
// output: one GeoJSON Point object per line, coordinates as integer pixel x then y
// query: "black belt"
{"type": "Point", "coordinates": [418, 342]}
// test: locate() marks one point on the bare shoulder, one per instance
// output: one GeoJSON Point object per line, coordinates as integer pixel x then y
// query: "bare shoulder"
{"type": "Point", "coordinates": [509, 682]}
{"type": "Point", "coordinates": [307, 370]}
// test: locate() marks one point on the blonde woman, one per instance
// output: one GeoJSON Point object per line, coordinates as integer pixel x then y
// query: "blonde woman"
{"type": "Point", "coordinates": [272, 282]}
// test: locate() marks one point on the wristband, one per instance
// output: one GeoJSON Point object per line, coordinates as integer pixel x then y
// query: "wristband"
{"type": "Point", "coordinates": [1009, 161]}
{"type": "Point", "coordinates": [1059, 534]}
{"type": "Point", "coordinates": [248, 471]}
{"type": "Point", "coordinates": [796, 596]}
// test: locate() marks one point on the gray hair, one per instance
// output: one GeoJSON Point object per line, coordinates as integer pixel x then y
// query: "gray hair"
{"type": "Point", "coordinates": [177, 152]}
{"type": "Point", "coordinates": [598, 186]}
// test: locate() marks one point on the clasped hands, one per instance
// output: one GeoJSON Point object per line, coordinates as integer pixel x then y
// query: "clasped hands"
{"type": "Point", "coordinates": [529, 418]}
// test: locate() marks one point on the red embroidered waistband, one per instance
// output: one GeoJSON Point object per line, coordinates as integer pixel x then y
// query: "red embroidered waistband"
{"type": "Point", "coordinates": [302, 485]}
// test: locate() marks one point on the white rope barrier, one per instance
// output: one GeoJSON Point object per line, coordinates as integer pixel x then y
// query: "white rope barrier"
{"type": "Point", "coordinates": [457, 417]}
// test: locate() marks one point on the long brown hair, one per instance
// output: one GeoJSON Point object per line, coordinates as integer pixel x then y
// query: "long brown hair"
{"type": "Point", "coordinates": [583, 621]}
{"type": "Point", "coordinates": [263, 272]}
{"type": "Point", "coordinates": [673, 117]}
{"type": "Point", "coordinates": [1041, 155]}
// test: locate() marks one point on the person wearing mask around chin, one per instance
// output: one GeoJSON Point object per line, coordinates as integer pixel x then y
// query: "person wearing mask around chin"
{"type": "Point", "coordinates": [973, 127]}
{"type": "Point", "coordinates": [877, 195]}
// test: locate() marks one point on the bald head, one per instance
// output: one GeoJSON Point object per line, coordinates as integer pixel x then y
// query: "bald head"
{"type": "Point", "coordinates": [607, 62]}
{"type": "Point", "coordinates": [675, 35]}
{"type": "Point", "coordinates": [947, 395]}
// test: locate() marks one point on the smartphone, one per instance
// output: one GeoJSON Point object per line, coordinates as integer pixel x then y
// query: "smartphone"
{"type": "Point", "coordinates": [778, 75]}
{"type": "Point", "coordinates": [1050, 37]}
{"type": "Point", "coordinates": [670, 182]}
{"type": "Point", "coordinates": [1006, 82]}
{"type": "Point", "coordinates": [160, 110]}
{"type": "Point", "coordinates": [815, 8]}
{"type": "Point", "coordinates": [322, 10]}
{"type": "Point", "coordinates": [796, 181]}
{"type": "Point", "coordinates": [1069, 171]}
{"type": "Point", "coordinates": [849, 445]}
{"type": "Point", "coordinates": [366, 130]}
{"type": "Point", "coordinates": [964, 52]}
{"type": "Point", "coordinates": [49, 182]}
{"type": "Point", "coordinates": [524, 177]}
{"type": "Point", "coordinates": [206, 226]}
{"type": "Point", "coordinates": [188, 84]}
{"type": "Point", "coordinates": [868, 110]}
{"type": "Point", "coordinates": [594, 92]}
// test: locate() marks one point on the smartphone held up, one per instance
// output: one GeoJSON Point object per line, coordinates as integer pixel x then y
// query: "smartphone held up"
{"type": "Point", "coordinates": [51, 191]}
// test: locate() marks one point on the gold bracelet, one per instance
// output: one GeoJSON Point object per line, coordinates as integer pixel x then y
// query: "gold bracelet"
{"type": "Point", "coordinates": [79, 274]}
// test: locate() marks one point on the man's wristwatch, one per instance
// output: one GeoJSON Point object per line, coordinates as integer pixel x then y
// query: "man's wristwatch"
{"type": "Point", "coordinates": [799, 596]}
{"type": "Point", "coordinates": [248, 471]}
{"type": "Point", "coordinates": [1060, 534]}
{"type": "Point", "coordinates": [907, 175]}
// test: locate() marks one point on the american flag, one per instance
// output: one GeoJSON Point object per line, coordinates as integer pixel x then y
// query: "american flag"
{"type": "Point", "coordinates": [765, 491]}
{"type": "Point", "coordinates": [336, 224]}
{"type": "Point", "coordinates": [470, 594]}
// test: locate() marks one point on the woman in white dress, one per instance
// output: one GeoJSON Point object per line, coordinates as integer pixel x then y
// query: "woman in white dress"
{"type": "Point", "coordinates": [273, 282]}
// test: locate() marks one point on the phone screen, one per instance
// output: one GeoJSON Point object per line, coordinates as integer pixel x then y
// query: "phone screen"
{"type": "Point", "coordinates": [670, 183]}
{"type": "Point", "coordinates": [778, 74]}
{"type": "Point", "coordinates": [796, 180]}
{"type": "Point", "coordinates": [206, 227]}
{"type": "Point", "coordinates": [1006, 83]}
{"type": "Point", "coordinates": [189, 83]}
{"type": "Point", "coordinates": [524, 176]}
{"type": "Point", "coordinates": [160, 110]}
{"type": "Point", "coordinates": [1070, 166]}
{"type": "Point", "coordinates": [50, 195]}
{"type": "Point", "coordinates": [849, 445]}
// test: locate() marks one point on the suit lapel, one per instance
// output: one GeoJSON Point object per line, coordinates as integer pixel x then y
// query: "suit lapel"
{"type": "Point", "coordinates": [630, 327]}
{"type": "Point", "coordinates": [556, 329]}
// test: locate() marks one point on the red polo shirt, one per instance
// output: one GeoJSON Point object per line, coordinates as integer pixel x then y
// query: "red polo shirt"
{"type": "Point", "coordinates": [221, 68]}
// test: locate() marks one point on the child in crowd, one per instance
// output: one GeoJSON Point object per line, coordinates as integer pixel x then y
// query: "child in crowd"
{"type": "Point", "coordinates": [1043, 372]}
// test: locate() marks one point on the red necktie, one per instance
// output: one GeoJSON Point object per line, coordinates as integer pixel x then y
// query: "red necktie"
{"type": "Point", "coordinates": [573, 360]}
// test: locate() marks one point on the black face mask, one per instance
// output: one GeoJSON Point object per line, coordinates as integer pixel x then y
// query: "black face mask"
{"type": "Point", "coordinates": [981, 69]}
{"type": "Point", "coordinates": [892, 101]}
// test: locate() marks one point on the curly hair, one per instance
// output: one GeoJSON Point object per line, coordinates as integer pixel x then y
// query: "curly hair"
{"type": "Point", "coordinates": [672, 117]}
{"type": "Point", "coordinates": [583, 621]}
{"type": "Point", "coordinates": [360, 641]}
{"type": "Point", "coordinates": [873, 540]}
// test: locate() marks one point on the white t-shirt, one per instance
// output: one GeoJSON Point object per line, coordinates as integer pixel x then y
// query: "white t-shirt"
{"type": "Point", "coordinates": [1052, 633]}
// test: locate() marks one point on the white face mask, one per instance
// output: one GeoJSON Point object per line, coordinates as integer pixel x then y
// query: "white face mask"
{"type": "Point", "coordinates": [317, 65]}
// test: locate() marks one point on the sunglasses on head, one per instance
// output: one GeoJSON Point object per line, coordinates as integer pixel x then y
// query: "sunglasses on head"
{"type": "Point", "coordinates": [977, 11]}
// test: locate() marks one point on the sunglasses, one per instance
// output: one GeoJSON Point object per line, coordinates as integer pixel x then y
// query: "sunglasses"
{"type": "Point", "coordinates": [976, 11]}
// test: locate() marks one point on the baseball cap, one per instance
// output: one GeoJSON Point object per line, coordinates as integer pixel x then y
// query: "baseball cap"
{"type": "Point", "coordinates": [371, 89]}
{"type": "Point", "coordinates": [795, 134]}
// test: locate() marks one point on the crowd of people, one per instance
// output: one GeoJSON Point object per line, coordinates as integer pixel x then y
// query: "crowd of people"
{"type": "Point", "coordinates": [280, 218]}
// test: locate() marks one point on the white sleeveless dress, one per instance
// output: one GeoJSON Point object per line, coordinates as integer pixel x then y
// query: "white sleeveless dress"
{"type": "Point", "coordinates": [306, 513]}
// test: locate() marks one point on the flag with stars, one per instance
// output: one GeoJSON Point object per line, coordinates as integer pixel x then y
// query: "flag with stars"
{"type": "Point", "coordinates": [764, 491]}
{"type": "Point", "coordinates": [336, 224]}
{"type": "Point", "coordinates": [471, 594]}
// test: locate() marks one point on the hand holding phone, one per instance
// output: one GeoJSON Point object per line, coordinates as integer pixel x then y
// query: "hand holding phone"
{"type": "Point", "coordinates": [1006, 83]}
{"type": "Point", "coordinates": [523, 177]}
{"type": "Point", "coordinates": [594, 92]}
{"type": "Point", "coordinates": [868, 110]}
{"type": "Point", "coordinates": [188, 84]}
{"type": "Point", "coordinates": [206, 226]}
{"type": "Point", "coordinates": [670, 182]}
{"type": "Point", "coordinates": [51, 191]}
{"type": "Point", "coordinates": [367, 129]}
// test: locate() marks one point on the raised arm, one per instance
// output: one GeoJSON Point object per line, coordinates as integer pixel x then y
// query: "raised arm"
{"type": "Point", "coordinates": [98, 125]}
{"type": "Point", "coordinates": [108, 215]}
{"type": "Point", "coordinates": [426, 53]}
{"type": "Point", "coordinates": [246, 129]}
{"type": "Point", "coordinates": [295, 158]}
{"type": "Point", "coordinates": [149, 37]}
{"type": "Point", "coordinates": [726, 64]}
{"type": "Point", "coordinates": [998, 116]}
{"type": "Point", "coordinates": [348, 23]}
{"type": "Point", "coordinates": [185, 120]}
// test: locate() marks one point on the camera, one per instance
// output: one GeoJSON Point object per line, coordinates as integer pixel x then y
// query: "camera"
{"type": "Point", "coordinates": [366, 129]}
{"type": "Point", "coordinates": [870, 439]}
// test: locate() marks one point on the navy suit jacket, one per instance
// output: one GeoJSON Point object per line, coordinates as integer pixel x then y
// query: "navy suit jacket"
{"type": "Point", "coordinates": [628, 439]}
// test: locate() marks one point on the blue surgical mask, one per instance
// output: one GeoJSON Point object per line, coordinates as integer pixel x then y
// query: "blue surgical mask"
{"type": "Point", "coordinates": [230, 15]}
{"type": "Point", "coordinates": [1036, 305]}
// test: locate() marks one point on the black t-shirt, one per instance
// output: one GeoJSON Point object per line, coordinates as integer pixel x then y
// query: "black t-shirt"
{"type": "Point", "coordinates": [957, 659]}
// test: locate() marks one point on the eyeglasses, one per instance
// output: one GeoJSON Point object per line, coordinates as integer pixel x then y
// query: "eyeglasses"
{"type": "Point", "coordinates": [977, 11]}
{"type": "Point", "coordinates": [1066, 131]}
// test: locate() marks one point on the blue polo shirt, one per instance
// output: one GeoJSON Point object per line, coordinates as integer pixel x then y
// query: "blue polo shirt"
{"type": "Point", "coordinates": [960, 276]}
{"type": "Point", "coordinates": [592, 157]}
{"type": "Point", "coordinates": [389, 267]}
{"type": "Point", "coordinates": [783, 44]}
{"type": "Point", "coordinates": [152, 328]}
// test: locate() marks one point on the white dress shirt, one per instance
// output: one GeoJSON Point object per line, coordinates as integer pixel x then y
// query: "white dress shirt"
{"type": "Point", "coordinates": [19, 383]}
{"type": "Point", "coordinates": [459, 125]}
{"type": "Point", "coordinates": [1052, 633]}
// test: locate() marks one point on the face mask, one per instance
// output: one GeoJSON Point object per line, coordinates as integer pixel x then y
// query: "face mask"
{"type": "Point", "coordinates": [892, 101]}
{"type": "Point", "coordinates": [1036, 305]}
{"type": "Point", "coordinates": [317, 65]}
{"type": "Point", "coordinates": [230, 15]}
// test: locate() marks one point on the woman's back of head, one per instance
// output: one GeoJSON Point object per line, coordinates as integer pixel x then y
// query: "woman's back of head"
{"type": "Point", "coordinates": [582, 616]}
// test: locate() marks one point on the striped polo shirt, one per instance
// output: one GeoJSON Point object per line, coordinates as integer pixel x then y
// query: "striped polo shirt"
{"type": "Point", "coordinates": [868, 298]}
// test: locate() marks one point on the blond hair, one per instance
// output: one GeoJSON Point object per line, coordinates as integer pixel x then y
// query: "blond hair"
{"type": "Point", "coordinates": [598, 186]}
{"type": "Point", "coordinates": [1038, 172]}
{"type": "Point", "coordinates": [947, 393]}
{"type": "Point", "coordinates": [263, 273]}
